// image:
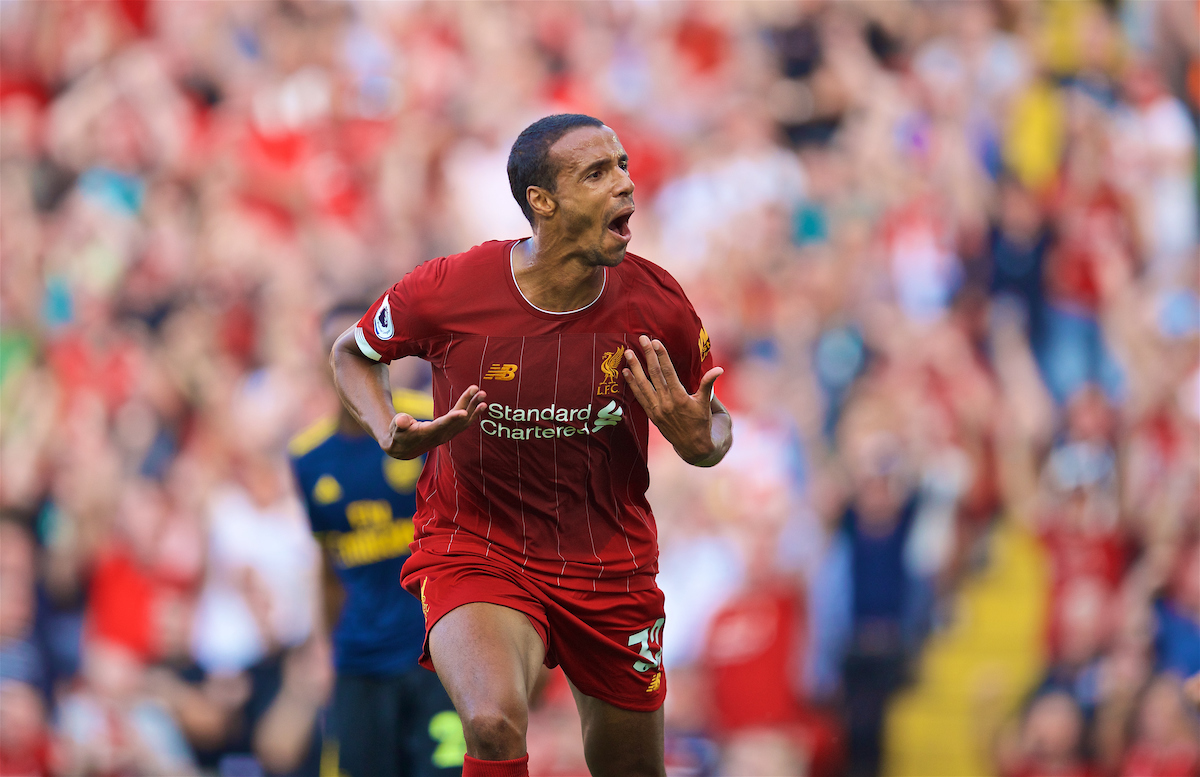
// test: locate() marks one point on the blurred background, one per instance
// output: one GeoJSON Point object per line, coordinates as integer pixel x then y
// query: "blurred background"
{"type": "Point", "coordinates": [946, 252]}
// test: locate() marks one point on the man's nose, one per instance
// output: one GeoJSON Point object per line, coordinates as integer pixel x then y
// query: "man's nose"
{"type": "Point", "coordinates": [625, 187]}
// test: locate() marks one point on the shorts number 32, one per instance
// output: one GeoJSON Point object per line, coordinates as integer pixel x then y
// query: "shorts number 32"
{"type": "Point", "coordinates": [648, 639]}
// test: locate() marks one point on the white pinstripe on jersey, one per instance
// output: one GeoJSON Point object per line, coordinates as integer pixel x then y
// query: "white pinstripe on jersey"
{"type": "Point", "coordinates": [520, 498]}
{"type": "Point", "coordinates": [450, 446]}
{"type": "Point", "coordinates": [482, 472]}
{"type": "Point", "coordinates": [587, 509]}
{"type": "Point", "coordinates": [611, 493]}
{"type": "Point", "coordinates": [554, 447]}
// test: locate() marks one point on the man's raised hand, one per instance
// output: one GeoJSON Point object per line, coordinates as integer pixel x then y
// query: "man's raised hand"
{"type": "Point", "coordinates": [686, 420]}
{"type": "Point", "coordinates": [408, 438]}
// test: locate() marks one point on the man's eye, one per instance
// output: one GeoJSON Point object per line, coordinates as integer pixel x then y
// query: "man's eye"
{"type": "Point", "coordinates": [594, 174]}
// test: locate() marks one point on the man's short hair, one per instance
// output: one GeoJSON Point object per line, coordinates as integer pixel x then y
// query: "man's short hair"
{"type": "Point", "coordinates": [529, 163]}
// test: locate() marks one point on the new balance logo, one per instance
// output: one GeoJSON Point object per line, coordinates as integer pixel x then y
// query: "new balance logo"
{"type": "Point", "coordinates": [501, 372]}
{"type": "Point", "coordinates": [609, 415]}
{"type": "Point", "coordinates": [655, 684]}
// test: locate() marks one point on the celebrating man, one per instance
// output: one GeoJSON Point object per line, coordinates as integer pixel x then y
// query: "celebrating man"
{"type": "Point", "coordinates": [534, 540]}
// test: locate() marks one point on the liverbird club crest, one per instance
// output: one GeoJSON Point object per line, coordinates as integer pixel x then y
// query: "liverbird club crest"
{"type": "Point", "coordinates": [610, 365]}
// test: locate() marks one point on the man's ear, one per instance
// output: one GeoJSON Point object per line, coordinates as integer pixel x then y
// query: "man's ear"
{"type": "Point", "coordinates": [541, 201]}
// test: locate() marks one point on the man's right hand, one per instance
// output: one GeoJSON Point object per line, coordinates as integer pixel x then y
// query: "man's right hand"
{"type": "Point", "coordinates": [408, 438]}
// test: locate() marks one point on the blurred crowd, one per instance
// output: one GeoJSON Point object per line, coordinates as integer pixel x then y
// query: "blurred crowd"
{"type": "Point", "coordinates": [946, 251]}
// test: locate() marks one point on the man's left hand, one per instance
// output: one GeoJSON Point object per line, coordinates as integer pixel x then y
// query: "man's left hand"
{"type": "Point", "coordinates": [686, 420]}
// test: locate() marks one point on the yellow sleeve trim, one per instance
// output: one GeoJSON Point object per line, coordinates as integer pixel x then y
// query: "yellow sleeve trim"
{"type": "Point", "coordinates": [313, 436]}
{"type": "Point", "coordinates": [415, 403]}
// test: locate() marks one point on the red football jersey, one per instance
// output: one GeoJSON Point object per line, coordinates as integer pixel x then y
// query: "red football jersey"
{"type": "Point", "coordinates": [553, 476]}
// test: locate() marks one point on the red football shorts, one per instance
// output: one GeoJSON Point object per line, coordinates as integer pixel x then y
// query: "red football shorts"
{"type": "Point", "coordinates": [608, 644]}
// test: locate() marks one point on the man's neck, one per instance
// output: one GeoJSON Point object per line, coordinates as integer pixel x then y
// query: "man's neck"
{"type": "Point", "coordinates": [554, 277]}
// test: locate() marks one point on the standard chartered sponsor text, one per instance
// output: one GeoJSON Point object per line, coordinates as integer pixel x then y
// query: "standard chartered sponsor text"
{"type": "Point", "coordinates": [517, 423]}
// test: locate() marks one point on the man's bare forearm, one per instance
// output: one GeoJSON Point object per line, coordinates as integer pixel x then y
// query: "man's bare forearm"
{"type": "Point", "coordinates": [281, 739]}
{"type": "Point", "coordinates": [363, 386]}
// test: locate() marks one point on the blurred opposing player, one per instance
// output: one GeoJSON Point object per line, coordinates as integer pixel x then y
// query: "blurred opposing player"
{"type": "Point", "coordinates": [389, 716]}
{"type": "Point", "coordinates": [534, 540]}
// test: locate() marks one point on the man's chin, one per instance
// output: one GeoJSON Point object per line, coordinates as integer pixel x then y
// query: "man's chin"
{"type": "Point", "coordinates": [608, 256]}
{"type": "Point", "coordinates": [613, 258]}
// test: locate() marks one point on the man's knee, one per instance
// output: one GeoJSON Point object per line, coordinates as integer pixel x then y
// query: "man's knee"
{"type": "Point", "coordinates": [495, 732]}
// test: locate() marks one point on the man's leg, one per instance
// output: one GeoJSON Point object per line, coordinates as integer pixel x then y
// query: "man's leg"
{"type": "Point", "coordinates": [430, 731]}
{"type": "Point", "coordinates": [620, 743]}
{"type": "Point", "coordinates": [362, 717]}
{"type": "Point", "coordinates": [487, 657]}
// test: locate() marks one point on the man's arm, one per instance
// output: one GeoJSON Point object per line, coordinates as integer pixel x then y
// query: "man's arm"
{"type": "Point", "coordinates": [363, 385]}
{"type": "Point", "coordinates": [698, 425]}
{"type": "Point", "coordinates": [283, 735]}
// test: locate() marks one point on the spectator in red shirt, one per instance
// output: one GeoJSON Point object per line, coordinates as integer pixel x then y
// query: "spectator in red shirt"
{"type": "Point", "coordinates": [25, 742]}
{"type": "Point", "coordinates": [132, 590]}
{"type": "Point", "coordinates": [1167, 742]}
{"type": "Point", "coordinates": [754, 650]}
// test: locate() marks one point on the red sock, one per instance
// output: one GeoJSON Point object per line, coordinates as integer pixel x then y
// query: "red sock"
{"type": "Point", "coordinates": [518, 767]}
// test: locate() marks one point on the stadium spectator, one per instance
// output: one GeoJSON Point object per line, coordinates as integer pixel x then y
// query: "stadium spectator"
{"type": "Point", "coordinates": [111, 725]}
{"type": "Point", "coordinates": [880, 627]}
{"type": "Point", "coordinates": [1049, 740]}
{"type": "Point", "coordinates": [259, 593]}
{"type": "Point", "coordinates": [24, 655]}
{"type": "Point", "coordinates": [1166, 742]}
{"type": "Point", "coordinates": [26, 737]}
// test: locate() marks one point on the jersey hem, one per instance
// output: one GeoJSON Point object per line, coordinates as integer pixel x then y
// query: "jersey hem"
{"type": "Point", "coordinates": [639, 581]}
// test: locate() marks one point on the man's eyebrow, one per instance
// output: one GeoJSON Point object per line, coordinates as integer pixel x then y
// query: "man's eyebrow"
{"type": "Point", "coordinates": [595, 163]}
{"type": "Point", "coordinates": [623, 157]}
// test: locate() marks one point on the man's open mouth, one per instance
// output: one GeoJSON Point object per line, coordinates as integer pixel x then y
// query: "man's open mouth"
{"type": "Point", "coordinates": [620, 224]}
